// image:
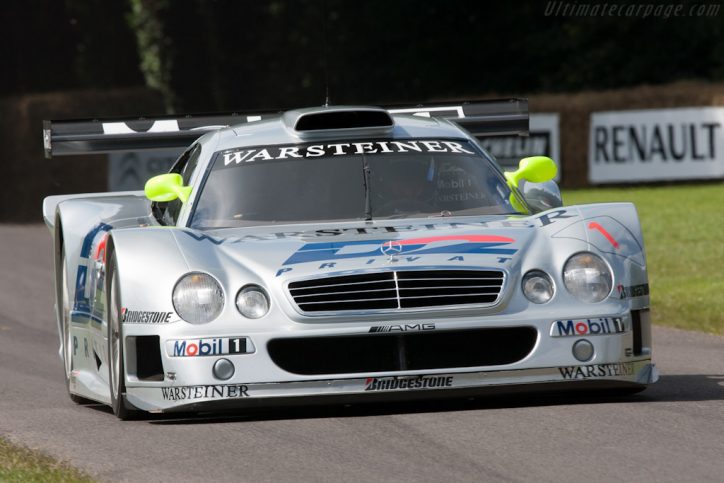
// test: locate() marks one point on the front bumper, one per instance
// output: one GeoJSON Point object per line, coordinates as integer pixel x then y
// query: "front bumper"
{"type": "Point", "coordinates": [189, 384]}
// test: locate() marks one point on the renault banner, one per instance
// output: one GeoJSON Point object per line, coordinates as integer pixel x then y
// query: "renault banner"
{"type": "Point", "coordinates": [656, 145]}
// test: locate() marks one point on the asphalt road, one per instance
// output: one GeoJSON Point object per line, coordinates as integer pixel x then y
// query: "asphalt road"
{"type": "Point", "coordinates": [674, 431]}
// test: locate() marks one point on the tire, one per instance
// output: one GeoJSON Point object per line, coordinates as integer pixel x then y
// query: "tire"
{"type": "Point", "coordinates": [116, 366]}
{"type": "Point", "coordinates": [67, 344]}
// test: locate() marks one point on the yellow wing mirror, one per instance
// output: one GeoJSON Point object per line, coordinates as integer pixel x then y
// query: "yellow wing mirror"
{"type": "Point", "coordinates": [167, 187]}
{"type": "Point", "coordinates": [536, 169]}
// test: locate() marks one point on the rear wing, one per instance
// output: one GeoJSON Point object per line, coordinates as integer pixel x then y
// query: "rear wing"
{"type": "Point", "coordinates": [70, 137]}
{"type": "Point", "coordinates": [504, 117]}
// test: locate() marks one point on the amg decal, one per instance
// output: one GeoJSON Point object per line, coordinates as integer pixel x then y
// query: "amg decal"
{"type": "Point", "coordinates": [232, 391]}
{"type": "Point", "coordinates": [416, 382]}
{"type": "Point", "coordinates": [597, 370]}
{"type": "Point", "coordinates": [402, 328]}
{"type": "Point", "coordinates": [145, 317]}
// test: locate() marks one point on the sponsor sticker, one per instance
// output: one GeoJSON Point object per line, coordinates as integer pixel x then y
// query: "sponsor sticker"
{"type": "Point", "coordinates": [217, 391]}
{"type": "Point", "coordinates": [401, 328]}
{"type": "Point", "coordinates": [579, 327]}
{"type": "Point", "coordinates": [632, 291]}
{"type": "Point", "coordinates": [597, 370]}
{"type": "Point", "coordinates": [546, 219]}
{"type": "Point", "coordinates": [145, 317]}
{"type": "Point", "coordinates": [236, 157]}
{"type": "Point", "coordinates": [411, 248]}
{"type": "Point", "coordinates": [403, 383]}
{"type": "Point", "coordinates": [208, 347]}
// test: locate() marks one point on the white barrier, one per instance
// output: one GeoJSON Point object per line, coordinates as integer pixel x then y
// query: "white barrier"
{"type": "Point", "coordinates": [656, 145]}
{"type": "Point", "coordinates": [130, 171]}
{"type": "Point", "coordinates": [544, 139]}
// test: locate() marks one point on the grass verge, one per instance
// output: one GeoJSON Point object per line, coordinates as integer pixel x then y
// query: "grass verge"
{"type": "Point", "coordinates": [683, 228]}
{"type": "Point", "coordinates": [18, 464]}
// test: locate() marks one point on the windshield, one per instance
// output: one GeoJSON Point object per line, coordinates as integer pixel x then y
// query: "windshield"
{"type": "Point", "coordinates": [349, 181]}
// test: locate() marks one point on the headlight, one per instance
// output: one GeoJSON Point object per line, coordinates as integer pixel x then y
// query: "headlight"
{"type": "Point", "coordinates": [198, 298]}
{"type": "Point", "coordinates": [537, 287]}
{"type": "Point", "coordinates": [587, 277]}
{"type": "Point", "coordinates": [252, 302]}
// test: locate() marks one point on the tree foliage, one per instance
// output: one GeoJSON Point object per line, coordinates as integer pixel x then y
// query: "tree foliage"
{"type": "Point", "coordinates": [208, 55]}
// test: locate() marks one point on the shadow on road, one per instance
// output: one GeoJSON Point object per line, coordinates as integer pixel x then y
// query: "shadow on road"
{"type": "Point", "coordinates": [686, 388]}
{"type": "Point", "coordinates": [668, 389]}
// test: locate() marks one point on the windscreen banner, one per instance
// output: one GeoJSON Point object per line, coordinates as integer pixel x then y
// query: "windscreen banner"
{"type": "Point", "coordinates": [656, 145]}
{"type": "Point", "coordinates": [543, 140]}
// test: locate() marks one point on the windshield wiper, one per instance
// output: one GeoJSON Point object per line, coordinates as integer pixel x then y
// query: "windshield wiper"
{"type": "Point", "coordinates": [442, 214]}
{"type": "Point", "coordinates": [368, 197]}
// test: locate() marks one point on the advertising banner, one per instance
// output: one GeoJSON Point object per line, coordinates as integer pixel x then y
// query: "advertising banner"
{"type": "Point", "coordinates": [656, 145]}
{"type": "Point", "coordinates": [130, 171]}
{"type": "Point", "coordinates": [543, 140]}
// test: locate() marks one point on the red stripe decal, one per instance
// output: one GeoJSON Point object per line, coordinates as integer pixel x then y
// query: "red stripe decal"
{"type": "Point", "coordinates": [101, 250]}
{"type": "Point", "coordinates": [595, 226]}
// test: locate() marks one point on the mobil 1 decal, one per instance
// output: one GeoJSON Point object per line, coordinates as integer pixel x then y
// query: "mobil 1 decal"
{"type": "Point", "coordinates": [579, 327]}
{"type": "Point", "coordinates": [208, 347]}
{"type": "Point", "coordinates": [240, 156]}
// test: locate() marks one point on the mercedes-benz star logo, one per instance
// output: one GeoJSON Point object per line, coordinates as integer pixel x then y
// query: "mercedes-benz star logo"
{"type": "Point", "coordinates": [391, 249]}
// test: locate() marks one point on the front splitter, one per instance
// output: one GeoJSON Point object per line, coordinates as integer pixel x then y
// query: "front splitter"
{"type": "Point", "coordinates": [629, 374]}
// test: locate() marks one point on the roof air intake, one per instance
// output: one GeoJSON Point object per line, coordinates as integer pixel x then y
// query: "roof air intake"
{"type": "Point", "coordinates": [347, 119]}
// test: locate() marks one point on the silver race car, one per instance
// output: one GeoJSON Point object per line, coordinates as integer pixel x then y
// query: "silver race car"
{"type": "Point", "coordinates": [336, 254]}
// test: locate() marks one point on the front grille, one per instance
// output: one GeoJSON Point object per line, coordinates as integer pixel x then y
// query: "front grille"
{"type": "Point", "coordinates": [403, 352]}
{"type": "Point", "coordinates": [403, 289]}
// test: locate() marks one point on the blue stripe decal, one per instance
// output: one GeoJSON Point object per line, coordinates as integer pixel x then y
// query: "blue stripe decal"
{"type": "Point", "coordinates": [81, 304]}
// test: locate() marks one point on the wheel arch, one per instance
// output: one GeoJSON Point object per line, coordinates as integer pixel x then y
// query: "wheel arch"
{"type": "Point", "coordinates": [58, 241]}
{"type": "Point", "coordinates": [149, 264]}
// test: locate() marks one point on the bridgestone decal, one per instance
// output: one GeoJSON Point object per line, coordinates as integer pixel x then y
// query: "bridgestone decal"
{"type": "Point", "coordinates": [633, 291]}
{"type": "Point", "coordinates": [145, 317]}
{"type": "Point", "coordinates": [422, 382]}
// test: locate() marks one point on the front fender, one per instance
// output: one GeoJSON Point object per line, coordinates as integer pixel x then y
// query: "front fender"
{"type": "Point", "coordinates": [614, 231]}
{"type": "Point", "coordinates": [149, 263]}
{"type": "Point", "coordinates": [78, 224]}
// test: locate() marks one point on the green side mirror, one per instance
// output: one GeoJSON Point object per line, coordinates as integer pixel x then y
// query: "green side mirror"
{"type": "Point", "coordinates": [167, 187]}
{"type": "Point", "coordinates": [536, 169]}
